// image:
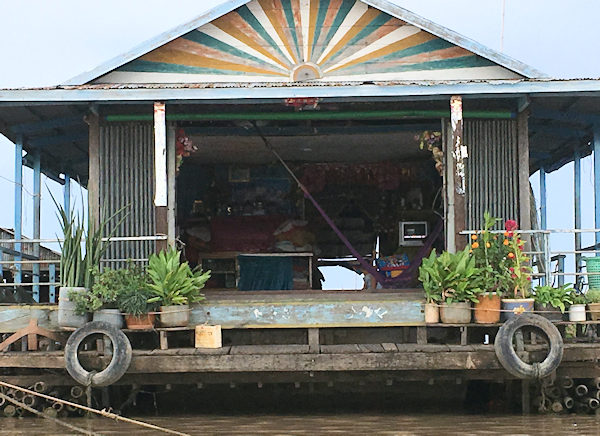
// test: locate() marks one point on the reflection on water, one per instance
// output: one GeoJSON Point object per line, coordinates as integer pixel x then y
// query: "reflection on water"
{"type": "Point", "coordinates": [343, 424]}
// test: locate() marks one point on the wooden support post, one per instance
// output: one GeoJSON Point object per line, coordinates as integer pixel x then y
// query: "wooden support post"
{"type": "Point", "coordinates": [597, 183]}
{"type": "Point", "coordinates": [18, 204]}
{"type": "Point", "coordinates": [160, 174]}
{"type": "Point", "coordinates": [523, 171]}
{"type": "Point", "coordinates": [93, 121]}
{"type": "Point", "coordinates": [459, 154]}
{"type": "Point", "coordinates": [37, 182]}
{"type": "Point", "coordinates": [525, 397]}
{"type": "Point", "coordinates": [421, 335]}
{"type": "Point", "coordinates": [313, 340]}
{"type": "Point", "coordinates": [164, 342]}
{"type": "Point", "coordinates": [464, 335]}
{"type": "Point", "coordinates": [171, 165]}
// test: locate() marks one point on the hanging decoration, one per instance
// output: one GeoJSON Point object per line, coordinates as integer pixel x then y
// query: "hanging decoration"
{"type": "Point", "coordinates": [433, 142]}
{"type": "Point", "coordinates": [183, 148]}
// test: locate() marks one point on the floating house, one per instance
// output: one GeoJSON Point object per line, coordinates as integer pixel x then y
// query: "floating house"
{"type": "Point", "coordinates": [271, 138]}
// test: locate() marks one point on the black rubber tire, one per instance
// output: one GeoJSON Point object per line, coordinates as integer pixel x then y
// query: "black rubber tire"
{"type": "Point", "coordinates": [512, 362]}
{"type": "Point", "coordinates": [121, 358]}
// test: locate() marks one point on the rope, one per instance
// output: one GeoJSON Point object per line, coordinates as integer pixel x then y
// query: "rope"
{"type": "Point", "coordinates": [43, 415]}
{"type": "Point", "coordinates": [99, 412]}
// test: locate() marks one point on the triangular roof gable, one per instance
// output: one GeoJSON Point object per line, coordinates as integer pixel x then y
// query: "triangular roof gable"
{"type": "Point", "coordinates": [295, 40]}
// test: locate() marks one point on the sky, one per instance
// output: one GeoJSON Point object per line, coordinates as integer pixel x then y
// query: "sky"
{"type": "Point", "coordinates": [46, 43]}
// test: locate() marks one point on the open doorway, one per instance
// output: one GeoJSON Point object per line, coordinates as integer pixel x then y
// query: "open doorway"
{"type": "Point", "coordinates": [243, 216]}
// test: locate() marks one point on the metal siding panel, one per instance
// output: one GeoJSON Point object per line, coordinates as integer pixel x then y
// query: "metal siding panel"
{"type": "Point", "coordinates": [126, 161]}
{"type": "Point", "coordinates": [491, 169]}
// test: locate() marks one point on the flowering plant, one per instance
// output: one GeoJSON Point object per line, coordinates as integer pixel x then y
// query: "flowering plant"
{"type": "Point", "coordinates": [503, 265]}
{"type": "Point", "coordinates": [490, 256]}
{"type": "Point", "coordinates": [519, 280]}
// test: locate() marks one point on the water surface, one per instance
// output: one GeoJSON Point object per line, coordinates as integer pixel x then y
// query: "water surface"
{"type": "Point", "coordinates": [339, 424]}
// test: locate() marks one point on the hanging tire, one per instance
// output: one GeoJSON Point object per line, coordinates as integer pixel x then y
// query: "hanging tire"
{"type": "Point", "coordinates": [508, 357]}
{"type": "Point", "coordinates": [121, 356]}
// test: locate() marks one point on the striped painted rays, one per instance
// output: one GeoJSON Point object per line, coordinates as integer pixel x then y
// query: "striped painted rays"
{"type": "Point", "coordinates": [298, 40]}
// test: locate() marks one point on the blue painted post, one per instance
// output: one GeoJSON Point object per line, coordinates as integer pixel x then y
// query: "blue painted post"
{"type": "Point", "coordinates": [52, 279]}
{"type": "Point", "coordinates": [543, 224]}
{"type": "Point", "coordinates": [37, 181]}
{"type": "Point", "coordinates": [543, 199]}
{"type": "Point", "coordinates": [597, 183]}
{"type": "Point", "coordinates": [67, 196]}
{"type": "Point", "coordinates": [18, 203]}
{"type": "Point", "coordinates": [577, 208]}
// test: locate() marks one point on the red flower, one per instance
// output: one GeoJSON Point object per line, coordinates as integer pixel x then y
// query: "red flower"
{"type": "Point", "coordinates": [511, 225]}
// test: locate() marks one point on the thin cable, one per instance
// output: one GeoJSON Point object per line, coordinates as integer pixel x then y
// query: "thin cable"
{"type": "Point", "coordinates": [43, 415]}
{"type": "Point", "coordinates": [98, 412]}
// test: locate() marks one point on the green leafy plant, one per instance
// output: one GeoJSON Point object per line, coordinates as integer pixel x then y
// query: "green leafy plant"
{"type": "Point", "coordinates": [578, 298]}
{"type": "Point", "coordinates": [172, 282]}
{"type": "Point", "coordinates": [109, 288]}
{"type": "Point", "coordinates": [593, 296]}
{"type": "Point", "coordinates": [77, 266]}
{"type": "Point", "coordinates": [134, 293]}
{"type": "Point", "coordinates": [559, 297]}
{"type": "Point", "coordinates": [450, 277]}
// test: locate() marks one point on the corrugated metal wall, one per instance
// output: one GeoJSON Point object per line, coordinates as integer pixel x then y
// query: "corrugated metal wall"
{"type": "Point", "coordinates": [492, 170]}
{"type": "Point", "coordinates": [127, 180]}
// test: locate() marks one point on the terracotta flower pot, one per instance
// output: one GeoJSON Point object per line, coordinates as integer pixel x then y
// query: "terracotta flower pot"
{"type": "Point", "coordinates": [487, 309]}
{"type": "Point", "coordinates": [432, 313]}
{"type": "Point", "coordinates": [142, 322]}
{"type": "Point", "coordinates": [594, 311]}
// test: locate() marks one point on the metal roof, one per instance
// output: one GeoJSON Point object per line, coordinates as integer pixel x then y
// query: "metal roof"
{"type": "Point", "coordinates": [383, 5]}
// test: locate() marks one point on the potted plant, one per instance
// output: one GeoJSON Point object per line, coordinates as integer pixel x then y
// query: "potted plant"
{"type": "Point", "coordinates": [516, 274]}
{"type": "Point", "coordinates": [490, 255]}
{"type": "Point", "coordinates": [133, 301]}
{"type": "Point", "coordinates": [431, 289]}
{"type": "Point", "coordinates": [102, 299]}
{"type": "Point", "coordinates": [76, 267]}
{"type": "Point", "coordinates": [174, 285]}
{"type": "Point", "coordinates": [593, 298]}
{"type": "Point", "coordinates": [577, 309]}
{"type": "Point", "coordinates": [453, 276]}
{"type": "Point", "coordinates": [552, 302]}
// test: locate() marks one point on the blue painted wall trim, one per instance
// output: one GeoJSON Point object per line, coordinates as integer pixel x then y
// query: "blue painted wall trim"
{"type": "Point", "coordinates": [309, 314]}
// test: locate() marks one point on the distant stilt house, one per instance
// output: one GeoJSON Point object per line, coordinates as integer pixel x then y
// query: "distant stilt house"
{"type": "Point", "coordinates": [33, 271]}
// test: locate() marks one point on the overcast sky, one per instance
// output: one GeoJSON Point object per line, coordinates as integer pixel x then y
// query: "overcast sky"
{"type": "Point", "coordinates": [47, 42]}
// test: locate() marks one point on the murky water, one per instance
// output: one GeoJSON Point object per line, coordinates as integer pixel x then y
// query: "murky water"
{"type": "Point", "coordinates": [341, 424]}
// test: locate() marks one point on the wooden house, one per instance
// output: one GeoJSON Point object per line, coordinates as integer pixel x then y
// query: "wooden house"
{"type": "Point", "coordinates": [220, 133]}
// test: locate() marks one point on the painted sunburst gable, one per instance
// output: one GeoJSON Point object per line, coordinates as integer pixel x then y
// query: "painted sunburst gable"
{"type": "Point", "coordinates": [306, 40]}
